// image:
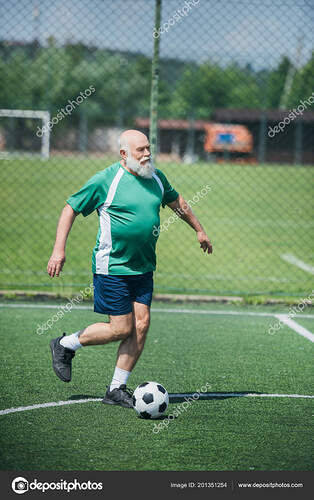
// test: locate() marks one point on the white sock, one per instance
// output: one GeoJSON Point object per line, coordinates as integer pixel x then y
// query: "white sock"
{"type": "Point", "coordinates": [71, 341]}
{"type": "Point", "coordinates": [120, 377]}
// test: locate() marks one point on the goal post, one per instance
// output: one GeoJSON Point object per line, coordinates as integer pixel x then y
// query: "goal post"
{"type": "Point", "coordinates": [42, 115]}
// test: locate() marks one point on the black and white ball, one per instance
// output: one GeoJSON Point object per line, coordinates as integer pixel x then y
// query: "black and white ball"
{"type": "Point", "coordinates": [150, 400]}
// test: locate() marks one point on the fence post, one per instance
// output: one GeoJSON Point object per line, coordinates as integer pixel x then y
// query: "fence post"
{"type": "Point", "coordinates": [155, 80]}
{"type": "Point", "coordinates": [262, 137]}
{"type": "Point", "coordinates": [298, 135]}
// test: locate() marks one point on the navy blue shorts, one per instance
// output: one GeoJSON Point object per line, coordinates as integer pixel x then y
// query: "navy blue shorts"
{"type": "Point", "coordinates": [114, 294]}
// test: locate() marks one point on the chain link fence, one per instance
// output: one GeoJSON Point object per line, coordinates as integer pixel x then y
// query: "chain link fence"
{"type": "Point", "coordinates": [235, 135]}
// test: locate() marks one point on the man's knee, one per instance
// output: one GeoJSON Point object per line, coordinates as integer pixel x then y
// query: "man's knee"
{"type": "Point", "coordinates": [122, 331]}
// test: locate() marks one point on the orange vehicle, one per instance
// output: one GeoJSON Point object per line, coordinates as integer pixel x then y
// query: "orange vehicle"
{"type": "Point", "coordinates": [234, 139]}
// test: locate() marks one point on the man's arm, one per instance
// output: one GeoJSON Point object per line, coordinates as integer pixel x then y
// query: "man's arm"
{"type": "Point", "coordinates": [183, 210]}
{"type": "Point", "coordinates": [57, 258]}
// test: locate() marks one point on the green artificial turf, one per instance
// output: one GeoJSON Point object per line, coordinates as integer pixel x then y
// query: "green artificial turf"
{"type": "Point", "coordinates": [184, 351]}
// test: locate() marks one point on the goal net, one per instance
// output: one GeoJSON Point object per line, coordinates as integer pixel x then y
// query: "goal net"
{"type": "Point", "coordinates": [29, 134]}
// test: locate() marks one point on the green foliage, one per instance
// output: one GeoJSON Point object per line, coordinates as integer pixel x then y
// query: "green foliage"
{"type": "Point", "coordinates": [276, 82]}
{"type": "Point", "coordinates": [35, 77]}
{"type": "Point", "coordinates": [302, 86]}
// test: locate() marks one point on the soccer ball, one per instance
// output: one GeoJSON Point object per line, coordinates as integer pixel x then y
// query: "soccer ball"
{"type": "Point", "coordinates": [150, 400]}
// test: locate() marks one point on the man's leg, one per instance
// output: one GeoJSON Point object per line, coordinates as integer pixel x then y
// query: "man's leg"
{"type": "Point", "coordinates": [132, 346]}
{"type": "Point", "coordinates": [113, 294]}
{"type": "Point", "coordinates": [118, 328]}
{"type": "Point", "coordinates": [63, 348]}
{"type": "Point", "coordinates": [129, 351]}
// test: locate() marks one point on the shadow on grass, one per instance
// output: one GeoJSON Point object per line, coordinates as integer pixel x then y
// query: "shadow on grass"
{"type": "Point", "coordinates": [182, 396]}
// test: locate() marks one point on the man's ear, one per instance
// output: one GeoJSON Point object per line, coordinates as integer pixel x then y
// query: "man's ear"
{"type": "Point", "coordinates": [123, 154]}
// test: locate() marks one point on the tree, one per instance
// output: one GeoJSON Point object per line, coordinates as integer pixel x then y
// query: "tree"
{"type": "Point", "coordinates": [276, 82]}
{"type": "Point", "coordinates": [303, 84]}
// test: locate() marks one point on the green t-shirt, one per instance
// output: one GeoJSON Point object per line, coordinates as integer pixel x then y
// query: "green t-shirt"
{"type": "Point", "coordinates": [128, 212]}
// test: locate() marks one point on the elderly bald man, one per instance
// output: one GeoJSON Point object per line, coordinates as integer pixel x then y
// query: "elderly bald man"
{"type": "Point", "coordinates": [127, 197]}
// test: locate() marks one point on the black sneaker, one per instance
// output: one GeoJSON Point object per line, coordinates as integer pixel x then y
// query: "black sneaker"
{"type": "Point", "coordinates": [61, 359]}
{"type": "Point", "coordinates": [121, 396]}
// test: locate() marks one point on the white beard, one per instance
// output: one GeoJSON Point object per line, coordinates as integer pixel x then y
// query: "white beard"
{"type": "Point", "coordinates": [145, 171]}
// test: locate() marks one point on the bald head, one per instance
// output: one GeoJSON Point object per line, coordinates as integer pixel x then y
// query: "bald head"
{"type": "Point", "coordinates": [132, 139]}
{"type": "Point", "coordinates": [135, 152]}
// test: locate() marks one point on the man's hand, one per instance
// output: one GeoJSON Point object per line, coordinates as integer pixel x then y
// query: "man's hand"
{"type": "Point", "coordinates": [56, 263]}
{"type": "Point", "coordinates": [205, 244]}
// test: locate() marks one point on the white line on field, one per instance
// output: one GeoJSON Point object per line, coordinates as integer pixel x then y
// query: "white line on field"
{"type": "Point", "coordinates": [239, 394]}
{"type": "Point", "coordinates": [47, 405]}
{"type": "Point", "coordinates": [161, 310]}
{"type": "Point", "coordinates": [288, 257]}
{"type": "Point", "coordinates": [171, 395]}
{"type": "Point", "coordinates": [295, 326]}
{"type": "Point", "coordinates": [228, 313]}
{"type": "Point", "coordinates": [46, 306]}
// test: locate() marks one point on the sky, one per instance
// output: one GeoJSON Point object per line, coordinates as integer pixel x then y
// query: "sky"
{"type": "Point", "coordinates": [253, 32]}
